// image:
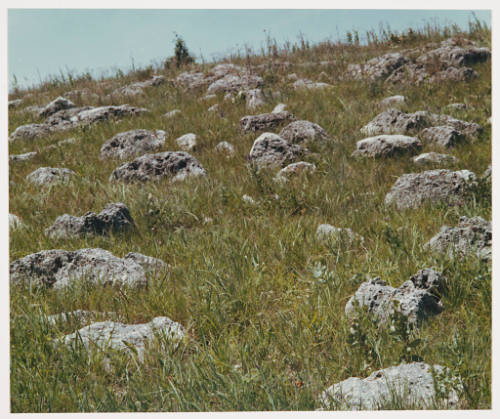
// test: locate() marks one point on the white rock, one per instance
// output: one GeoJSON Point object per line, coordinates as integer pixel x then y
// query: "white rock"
{"type": "Point", "coordinates": [187, 142]}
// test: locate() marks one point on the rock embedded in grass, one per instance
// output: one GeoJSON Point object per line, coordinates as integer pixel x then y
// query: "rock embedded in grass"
{"type": "Point", "coordinates": [415, 299]}
{"type": "Point", "coordinates": [113, 218]}
{"type": "Point", "coordinates": [23, 157]}
{"type": "Point", "coordinates": [270, 150]}
{"type": "Point", "coordinates": [392, 101]}
{"type": "Point", "coordinates": [235, 83]}
{"type": "Point", "coordinates": [187, 142]}
{"type": "Point", "coordinates": [173, 113]}
{"type": "Point", "coordinates": [280, 107]}
{"type": "Point", "coordinates": [47, 176]}
{"type": "Point", "coordinates": [173, 165]}
{"type": "Point", "coordinates": [471, 235]}
{"type": "Point", "coordinates": [434, 158]}
{"type": "Point", "coordinates": [226, 148]}
{"type": "Point", "coordinates": [377, 68]}
{"type": "Point", "coordinates": [30, 132]}
{"type": "Point", "coordinates": [56, 105]}
{"type": "Point", "coordinates": [305, 84]}
{"type": "Point", "coordinates": [443, 136]}
{"type": "Point", "coordinates": [329, 232]}
{"type": "Point", "coordinates": [294, 170]}
{"type": "Point", "coordinates": [387, 146]}
{"type": "Point", "coordinates": [122, 337]}
{"type": "Point", "coordinates": [15, 103]}
{"type": "Point", "coordinates": [132, 143]}
{"type": "Point", "coordinates": [59, 268]}
{"type": "Point", "coordinates": [265, 121]}
{"type": "Point", "coordinates": [254, 99]}
{"type": "Point", "coordinates": [299, 132]}
{"type": "Point", "coordinates": [394, 121]}
{"type": "Point", "coordinates": [412, 190]}
{"type": "Point", "coordinates": [413, 384]}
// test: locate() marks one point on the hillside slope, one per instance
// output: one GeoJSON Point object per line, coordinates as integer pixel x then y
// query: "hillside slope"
{"type": "Point", "coordinates": [261, 297]}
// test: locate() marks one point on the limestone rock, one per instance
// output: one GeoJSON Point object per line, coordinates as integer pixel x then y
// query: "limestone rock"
{"type": "Point", "coordinates": [434, 158]}
{"type": "Point", "coordinates": [59, 268]}
{"type": "Point", "coordinates": [391, 101]}
{"type": "Point", "coordinates": [23, 157]}
{"type": "Point", "coordinates": [148, 263]}
{"type": "Point", "coordinates": [225, 148]}
{"type": "Point", "coordinates": [114, 218]}
{"type": "Point", "coordinates": [173, 113]}
{"type": "Point", "coordinates": [121, 336]}
{"type": "Point", "coordinates": [304, 131]}
{"type": "Point", "coordinates": [470, 235]}
{"type": "Point", "coordinates": [387, 146]}
{"type": "Point", "coordinates": [329, 232]}
{"type": "Point", "coordinates": [413, 383]}
{"type": "Point", "coordinates": [270, 150]}
{"type": "Point", "coordinates": [235, 83]}
{"type": "Point", "coordinates": [377, 68]}
{"type": "Point", "coordinates": [254, 99]}
{"type": "Point", "coordinates": [132, 143]}
{"type": "Point", "coordinates": [393, 121]}
{"type": "Point", "coordinates": [294, 170]}
{"type": "Point", "coordinates": [46, 176]}
{"type": "Point", "coordinates": [187, 142]}
{"type": "Point", "coordinates": [413, 189]}
{"type": "Point", "coordinates": [253, 123]}
{"type": "Point", "coordinates": [174, 165]}
{"type": "Point", "coordinates": [30, 132]}
{"type": "Point", "coordinates": [56, 105]}
{"type": "Point", "coordinates": [415, 299]}
{"type": "Point", "coordinates": [305, 84]}
{"type": "Point", "coordinates": [280, 107]}
{"type": "Point", "coordinates": [443, 136]}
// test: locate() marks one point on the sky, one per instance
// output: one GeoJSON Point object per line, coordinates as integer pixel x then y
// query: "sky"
{"type": "Point", "coordinates": [47, 42]}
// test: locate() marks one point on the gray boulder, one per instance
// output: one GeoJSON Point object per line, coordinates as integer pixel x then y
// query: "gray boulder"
{"type": "Point", "coordinates": [47, 176]}
{"type": "Point", "coordinates": [226, 148]}
{"type": "Point", "coordinates": [187, 142]}
{"type": "Point", "coordinates": [30, 132]}
{"type": "Point", "coordinates": [415, 299]}
{"type": "Point", "coordinates": [132, 143]}
{"type": "Point", "coordinates": [254, 99]}
{"type": "Point", "coordinates": [173, 165]}
{"type": "Point", "coordinates": [122, 337]}
{"type": "Point", "coordinates": [413, 189]}
{"type": "Point", "coordinates": [434, 158]}
{"type": "Point", "coordinates": [235, 83]}
{"type": "Point", "coordinates": [59, 268]}
{"type": "Point", "coordinates": [56, 105]}
{"type": "Point", "coordinates": [393, 121]}
{"type": "Point", "coordinates": [280, 107]}
{"type": "Point", "coordinates": [253, 123]}
{"type": "Point", "coordinates": [415, 384]}
{"type": "Point", "coordinates": [304, 131]}
{"type": "Point", "coordinates": [270, 150]}
{"type": "Point", "coordinates": [443, 136]}
{"type": "Point", "coordinates": [113, 218]}
{"type": "Point", "coordinates": [471, 235]}
{"type": "Point", "coordinates": [387, 146]}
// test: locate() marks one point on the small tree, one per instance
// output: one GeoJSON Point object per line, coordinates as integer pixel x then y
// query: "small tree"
{"type": "Point", "coordinates": [182, 55]}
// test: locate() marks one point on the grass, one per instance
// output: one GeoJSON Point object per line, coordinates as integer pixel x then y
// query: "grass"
{"type": "Point", "coordinates": [262, 300]}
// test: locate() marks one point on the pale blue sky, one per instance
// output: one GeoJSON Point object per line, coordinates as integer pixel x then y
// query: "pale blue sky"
{"type": "Point", "coordinates": [45, 42]}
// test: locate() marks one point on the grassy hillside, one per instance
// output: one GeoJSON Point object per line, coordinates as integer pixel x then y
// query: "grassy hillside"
{"type": "Point", "coordinates": [262, 300]}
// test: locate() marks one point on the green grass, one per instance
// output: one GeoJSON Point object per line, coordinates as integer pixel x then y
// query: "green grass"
{"type": "Point", "coordinates": [265, 330]}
